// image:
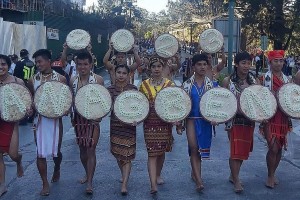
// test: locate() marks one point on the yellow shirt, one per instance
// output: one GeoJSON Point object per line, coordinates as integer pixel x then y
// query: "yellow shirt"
{"type": "Point", "coordinates": [151, 91]}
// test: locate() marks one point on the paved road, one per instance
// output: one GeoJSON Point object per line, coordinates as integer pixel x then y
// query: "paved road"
{"type": "Point", "coordinates": [176, 172]}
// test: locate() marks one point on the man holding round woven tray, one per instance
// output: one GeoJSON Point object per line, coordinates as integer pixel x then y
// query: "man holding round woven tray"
{"type": "Point", "coordinates": [121, 59]}
{"type": "Point", "coordinates": [240, 129]}
{"type": "Point", "coordinates": [48, 132]}
{"type": "Point", "coordinates": [9, 132]}
{"type": "Point", "coordinates": [198, 130]}
{"type": "Point", "coordinates": [277, 128]}
{"type": "Point", "coordinates": [157, 133]}
{"type": "Point", "coordinates": [87, 130]}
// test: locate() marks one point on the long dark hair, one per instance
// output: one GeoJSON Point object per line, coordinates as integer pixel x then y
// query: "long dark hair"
{"type": "Point", "coordinates": [239, 57]}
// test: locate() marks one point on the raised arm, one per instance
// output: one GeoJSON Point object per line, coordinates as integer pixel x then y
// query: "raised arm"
{"type": "Point", "coordinates": [137, 58]}
{"type": "Point", "coordinates": [106, 61]}
{"type": "Point", "coordinates": [297, 78]}
{"type": "Point", "coordinates": [175, 66]}
{"type": "Point", "coordinates": [64, 54]}
{"type": "Point", "coordinates": [225, 83]}
{"type": "Point", "coordinates": [221, 65]}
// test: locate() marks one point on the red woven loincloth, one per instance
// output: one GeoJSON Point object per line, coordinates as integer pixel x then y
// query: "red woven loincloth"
{"type": "Point", "coordinates": [241, 139]}
{"type": "Point", "coordinates": [6, 131]}
{"type": "Point", "coordinates": [278, 126]}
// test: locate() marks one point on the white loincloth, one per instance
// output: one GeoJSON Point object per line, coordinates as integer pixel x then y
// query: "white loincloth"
{"type": "Point", "coordinates": [47, 136]}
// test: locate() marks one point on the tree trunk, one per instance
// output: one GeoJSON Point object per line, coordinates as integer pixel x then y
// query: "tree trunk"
{"type": "Point", "coordinates": [277, 27]}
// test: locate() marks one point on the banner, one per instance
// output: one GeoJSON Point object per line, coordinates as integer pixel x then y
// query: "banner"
{"type": "Point", "coordinates": [52, 34]}
{"type": "Point", "coordinates": [6, 37]}
{"type": "Point", "coordinates": [14, 37]}
{"type": "Point", "coordinates": [30, 37]}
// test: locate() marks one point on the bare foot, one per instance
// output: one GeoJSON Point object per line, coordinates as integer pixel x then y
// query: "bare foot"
{"type": "Point", "coordinates": [124, 191]}
{"type": "Point", "coordinates": [56, 176]}
{"type": "Point", "coordinates": [20, 170]}
{"type": "Point", "coordinates": [270, 182]}
{"type": "Point", "coordinates": [231, 180]}
{"type": "Point", "coordinates": [153, 190]}
{"type": "Point", "coordinates": [238, 188]}
{"type": "Point", "coordinates": [160, 181]}
{"type": "Point", "coordinates": [89, 189]}
{"type": "Point", "coordinates": [3, 190]}
{"type": "Point", "coordinates": [83, 180]}
{"type": "Point", "coordinates": [276, 181]}
{"type": "Point", "coordinates": [46, 190]}
{"type": "Point", "coordinates": [200, 188]}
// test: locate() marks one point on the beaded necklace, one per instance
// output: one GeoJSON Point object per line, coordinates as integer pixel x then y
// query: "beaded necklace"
{"type": "Point", "coordinates": [157, 83]}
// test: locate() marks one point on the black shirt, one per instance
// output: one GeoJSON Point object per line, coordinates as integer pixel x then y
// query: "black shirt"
{"type": "Point", "coordinates": [24, 69]}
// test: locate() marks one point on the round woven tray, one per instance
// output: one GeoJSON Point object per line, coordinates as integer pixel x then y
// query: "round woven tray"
{"type": "Point", "coordinates": [288, 97]}
{"type": "Point", "coordinates": [211, 40]}
{"type": "Point", "coordinates": [257, 103]}
{"type": "Point", "coordinates": [15, 101]}
{"type": "Point", "coordinates": [166, 45]}
{"type": "Point", "coordinates": [172, 104]}
{"type": "Point", "coordinates": [122, 40]}
{"type": "Point", "coordinates": [131, 106]}
{"type": "Point", "coordinates": [93, 101]}
{"type": "Point", "coordinates": [218, 105]}
{"type": "Point", "coordinates": [78, 39]}
{"type": "Point", "coordinates": [53, 99]}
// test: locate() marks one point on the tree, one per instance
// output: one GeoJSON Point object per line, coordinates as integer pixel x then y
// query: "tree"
{"type": "Point", "coordinates": [194, 15]}
{"type": "Point", "coordinates": [185, 10]}
{"type": "Point", "coordinates": [123, 14]}
{"type": "Point", "coordinates": [276, 18]}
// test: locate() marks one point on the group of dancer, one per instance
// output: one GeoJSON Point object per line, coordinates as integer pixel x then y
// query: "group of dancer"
{"type": "Point", "coordinates": [157, 133]}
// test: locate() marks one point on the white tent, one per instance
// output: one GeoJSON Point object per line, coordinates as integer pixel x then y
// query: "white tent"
{"type": "Point", "coordinates": [14, 37]}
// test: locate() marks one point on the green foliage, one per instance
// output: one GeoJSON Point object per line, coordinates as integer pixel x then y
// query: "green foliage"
{"type": "Point", "coordinates": [278, 19]}
{"type": "Point", "coordinates": [148, 35]}
{"type": "Point", "coordinates": [221, 77]}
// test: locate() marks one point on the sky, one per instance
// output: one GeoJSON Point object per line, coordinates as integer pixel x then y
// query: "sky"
{"type": "Point", "coordinates": [153, 5]}
{"type": "Point", "coordinates": [150, 5]}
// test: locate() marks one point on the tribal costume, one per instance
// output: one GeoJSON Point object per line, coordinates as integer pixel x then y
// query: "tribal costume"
{"type": "Point", "coordinates": [122, 136]}
{"type": "Point", "coordinates": [203, 128]}
{"type": "Point", "coordinates": [157, 133]}
{"type": "Point", "coordinates": [84, 128]}
{"type": "Point", "coordinates": [47, 130]}
{"type": "Point", "coordinates": [6, 132]}
{"type": "Point", "coordinates": [280, 124]}
{"type": "Point", "coordinates": [241, 129]}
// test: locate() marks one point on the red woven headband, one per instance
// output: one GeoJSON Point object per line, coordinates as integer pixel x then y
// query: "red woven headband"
{"type": "Point", "coordinates": [275, 54]}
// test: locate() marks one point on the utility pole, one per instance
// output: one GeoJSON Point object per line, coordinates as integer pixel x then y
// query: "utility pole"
{"type": "Point", "coordinates": [230, 34]}
{"type": "Point", "coordinates": [191, 39]}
